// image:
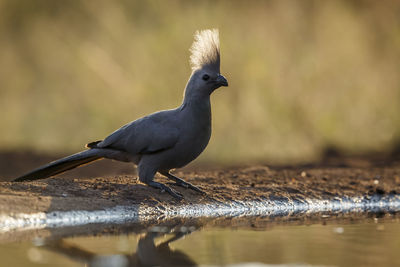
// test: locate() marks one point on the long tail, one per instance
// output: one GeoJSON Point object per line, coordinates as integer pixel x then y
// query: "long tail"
{"type": "Point", "coordinates": [61, 165]}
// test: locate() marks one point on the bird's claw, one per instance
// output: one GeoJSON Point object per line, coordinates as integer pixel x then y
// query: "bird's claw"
{"type": "Point", "coordinates": [163, 188]}
{"type": "Point", "coordinates": [188, 186]}
{"type": "Point", "coordinates": [172, 192]}
{"type": "Point", "coordinates": [176, 194]}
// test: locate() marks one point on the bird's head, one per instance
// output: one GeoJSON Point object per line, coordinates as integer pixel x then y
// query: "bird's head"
{"type": "Point", "coordinates": [205, 62]}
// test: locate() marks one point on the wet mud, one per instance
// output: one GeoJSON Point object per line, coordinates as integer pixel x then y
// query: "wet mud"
{"type": "Point", "coordinates": [336, 178]}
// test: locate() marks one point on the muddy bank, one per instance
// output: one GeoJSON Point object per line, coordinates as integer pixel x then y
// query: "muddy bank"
{"type": "Point", "coordinates": [255, 183]}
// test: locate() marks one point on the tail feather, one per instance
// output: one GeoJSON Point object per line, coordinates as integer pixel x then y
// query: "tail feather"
{"type": "Point", "coordinates": [61, 165]}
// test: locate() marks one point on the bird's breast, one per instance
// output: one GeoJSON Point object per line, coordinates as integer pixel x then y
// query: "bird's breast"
{"type": "Point", "coordinates": [194, 138]}
{"type": "Point", "coordinates": [194, 134]}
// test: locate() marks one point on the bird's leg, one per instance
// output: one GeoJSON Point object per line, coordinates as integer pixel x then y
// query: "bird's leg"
{"type": "Point", "coordinates": [180, 182]}
{"type": "Point", "coordinates": [146, 176]}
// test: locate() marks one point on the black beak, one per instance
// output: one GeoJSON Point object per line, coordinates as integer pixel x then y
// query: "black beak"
{"type": "Point", "coordinates": [221, 81]}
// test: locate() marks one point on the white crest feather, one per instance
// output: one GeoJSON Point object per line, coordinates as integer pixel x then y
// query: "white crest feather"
{"type": "Point", "coordinates": [205, 50]}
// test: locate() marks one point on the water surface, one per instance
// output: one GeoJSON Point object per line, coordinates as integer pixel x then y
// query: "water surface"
{"type": "Point", "coordinates": [320, 240]}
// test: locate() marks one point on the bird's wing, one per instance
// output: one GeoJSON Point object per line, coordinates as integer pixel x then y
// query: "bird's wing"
{"type": "Point", "coordinates": [150, 134]}
{"type": "Point", "coordinates": [114, 137]}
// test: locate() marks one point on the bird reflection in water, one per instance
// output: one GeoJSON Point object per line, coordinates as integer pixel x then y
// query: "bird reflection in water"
{"type": "Point", "coordinates": [147, 252]}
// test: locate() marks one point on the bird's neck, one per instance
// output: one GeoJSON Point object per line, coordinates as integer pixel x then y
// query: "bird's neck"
{"type": "Point", "coordinates": [195, 97]}
{"type": "Point", "coordinates": [199, 104]}
{"type": "Point", "coordinates": [196, 105]}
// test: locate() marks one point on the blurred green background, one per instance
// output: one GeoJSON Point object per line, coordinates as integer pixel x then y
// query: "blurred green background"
{"type": "Point", "coordinates": [304, 75]}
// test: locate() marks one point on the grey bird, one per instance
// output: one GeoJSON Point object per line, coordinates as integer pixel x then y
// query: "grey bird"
{"type": "Point", "coordinates": [164, 140]}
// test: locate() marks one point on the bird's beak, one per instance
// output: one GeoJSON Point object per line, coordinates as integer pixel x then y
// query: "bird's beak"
{"type": "Point", "coordinates": [221, 81]}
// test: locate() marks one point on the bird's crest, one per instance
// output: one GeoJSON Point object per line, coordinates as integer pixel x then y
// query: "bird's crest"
{"type": "Point", "coordinates": [205, 50]}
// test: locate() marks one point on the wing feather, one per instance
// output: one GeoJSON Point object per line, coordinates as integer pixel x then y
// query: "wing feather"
{"type": "Point", "coordinates": [147, 135]}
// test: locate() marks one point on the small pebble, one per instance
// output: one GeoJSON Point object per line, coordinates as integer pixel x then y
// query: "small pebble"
{"type": "Point", "coordinates": [303, 174]}
{"type": "Point", "coordinates": [376, 181]}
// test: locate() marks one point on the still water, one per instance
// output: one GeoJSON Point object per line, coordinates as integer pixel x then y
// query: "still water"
{"type": "Point", "coordinates": [321, 240]}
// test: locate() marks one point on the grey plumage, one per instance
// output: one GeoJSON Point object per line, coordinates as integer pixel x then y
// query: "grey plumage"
{"type": "Point", "coordinates": [164, 140]}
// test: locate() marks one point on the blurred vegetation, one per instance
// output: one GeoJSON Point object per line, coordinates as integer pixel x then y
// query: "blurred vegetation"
{"type": "Point", "coordinates": [303, 75]}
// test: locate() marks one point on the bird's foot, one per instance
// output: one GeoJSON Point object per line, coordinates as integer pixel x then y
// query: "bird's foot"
{"type": "Point", "coordinates": [167, 189]}
{"type": "Point", "coordinates": [187, 185]}
{"type": "Point", "coordinates": [182, 183]}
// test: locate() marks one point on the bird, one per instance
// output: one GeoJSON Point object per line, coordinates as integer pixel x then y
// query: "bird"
{"type": "Point", "coordinates": [165, 140]}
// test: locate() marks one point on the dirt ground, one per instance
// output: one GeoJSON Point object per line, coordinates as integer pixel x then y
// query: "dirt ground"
{"type": "Point", "coordinates": [108, 184]}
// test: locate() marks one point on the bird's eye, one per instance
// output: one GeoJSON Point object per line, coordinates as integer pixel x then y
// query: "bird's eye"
{"type": "Point", "coordinates": [206, 77]}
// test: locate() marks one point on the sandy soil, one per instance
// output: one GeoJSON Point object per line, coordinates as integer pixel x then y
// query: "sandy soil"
{"type": "Point", "coordinates": [336, 177]}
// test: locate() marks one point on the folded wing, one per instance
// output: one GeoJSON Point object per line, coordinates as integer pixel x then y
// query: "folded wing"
{"type": "Point", "coordinates": [150, 134]}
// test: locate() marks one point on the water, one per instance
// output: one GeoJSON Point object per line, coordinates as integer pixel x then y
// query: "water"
{"type": "Point", "coordinates": [320, 239]}
{"type": "Point", "coordinates": [359, 231]}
